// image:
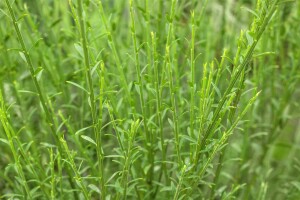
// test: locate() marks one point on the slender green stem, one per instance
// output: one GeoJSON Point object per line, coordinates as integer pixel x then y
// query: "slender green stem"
{"type": "Point", "coordinates": [168, 66]}
{"type": "Point", "coordinates": [91, 99]}
{"type": "Point", "coordinates": [192, 80]}
{"type": "Point", "coordinates": [159, 109]}
{"type": "Point", "coordinates": [117, 58]}
{"type": "Point", "coordinates": [44, 103]}
{"type": "Point", "coordinates": [25, 53]}
{"type": "Point", "coordinates": [235, 77]}
{"type": "Point", "coordinates": [178, 188]}
{"type": "Point", "coordinates": [53, 175]}
{"type": "Point", "coordinates": [7, 130]}
{"type": "Point", "coordinates": [78, 177]}
{"type": "Point", "coordinates": [231, 114]}
{"type": "Point", "coordinates": [220, 143]}
{"type": "Point", "coordinates": [141, 96]}
{"type": "Point", "coordinates": [128, 159]}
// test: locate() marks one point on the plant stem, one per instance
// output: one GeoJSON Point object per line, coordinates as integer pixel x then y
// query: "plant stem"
{"type": "Point", "coordinates": [49, 115]}
{"type": "Point", "coordinates": [91, 99]}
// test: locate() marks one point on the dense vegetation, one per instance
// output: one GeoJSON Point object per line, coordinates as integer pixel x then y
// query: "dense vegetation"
{"type": "Point", "coordinates": [179, 99]}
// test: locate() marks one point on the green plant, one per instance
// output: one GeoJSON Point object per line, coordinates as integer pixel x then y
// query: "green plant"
{"type": "Point", "coordinates": [149, 99]}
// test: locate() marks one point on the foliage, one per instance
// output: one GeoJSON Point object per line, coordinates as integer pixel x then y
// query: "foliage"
{"type": "Point", "coordinates": [176, 99]}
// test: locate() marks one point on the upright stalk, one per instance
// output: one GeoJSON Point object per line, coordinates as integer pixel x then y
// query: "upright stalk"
{"type": "Point", "coordinates": [168, 66]}
{"type": "Point", "coordinates": [14, 150]}
{"type": "Point", "coordinates": [192, 80]}
{"type": "Point", "coordinates": [159, 108]}
{"type": "Point", "coordinates": [231, 115]}
{"type": "Point", "coordinates": [141, 96]}
{"type": "Point", "coordinates": [112, 45]}
{"type": "Point", "coordinates": [236, 75]}
{"type": "Point", "coordinates": [44, 103]}
{"type": "Point", "coordinates": [91, 99]}
{"type": "Point", "coordinates": [128, 159]}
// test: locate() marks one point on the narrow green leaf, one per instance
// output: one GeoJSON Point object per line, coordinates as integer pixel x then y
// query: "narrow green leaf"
{"type": "Point", "coordinates": [87, 138]}
{"type": "Point", "coordinates": [94, 188]}
{"type": "Point", "coordinates": [83, 129]}
{"type": "Point", "coordinates": [79, 49]}
{"type": "Point", "coordinates": [23, 56]}
{"type": "Point", "coordinates": [77, 85]}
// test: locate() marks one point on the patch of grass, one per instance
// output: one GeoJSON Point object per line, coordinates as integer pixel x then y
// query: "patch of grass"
{"type": "Point", "coordinates": [149, 99]}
